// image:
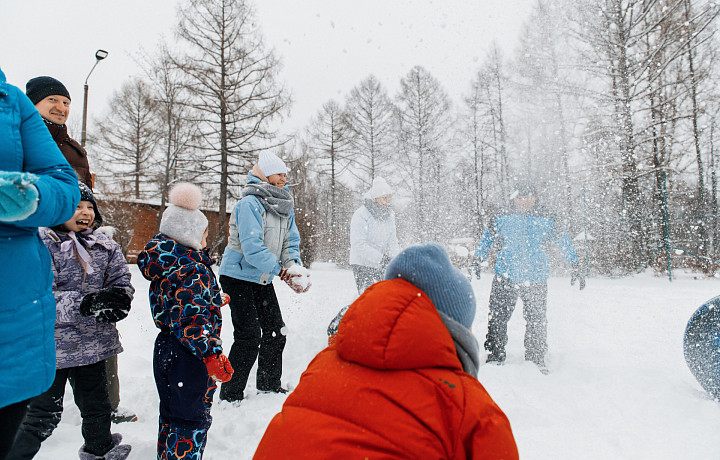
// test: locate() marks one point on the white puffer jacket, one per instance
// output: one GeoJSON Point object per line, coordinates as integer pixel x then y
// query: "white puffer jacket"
{"type": "Point", "coordinates": [372, 238]}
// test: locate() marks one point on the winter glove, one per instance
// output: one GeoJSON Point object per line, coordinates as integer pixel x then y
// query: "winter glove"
{"type": "Point", "coordinates": [577, 275]}
{"type": "Point", "coordinates": [224, 299]}
{"type": "Point", "coordinates": [18, 196]}
{"type": "Point", "coordinates": [108, 305]}
{"type": "Point", "coordinates": [219, 368]}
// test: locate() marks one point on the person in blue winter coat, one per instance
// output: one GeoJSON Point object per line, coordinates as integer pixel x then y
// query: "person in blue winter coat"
{"type": "Point", "coordinates": [521, 270]}
{"type": "Point", "coordinates": [38, 188]}
{"type": "Point", "coordinates": [185, 300]}
{"type": "Point", "coordinates": [92, 292]}
{"type": "Point", "coordinates": [373, 238]}
{"type": "Point", "coordinates": [263, 243]}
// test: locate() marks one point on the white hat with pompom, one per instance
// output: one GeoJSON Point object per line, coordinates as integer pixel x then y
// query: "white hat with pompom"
{"type": "Point", "coordinates": [182, 220]}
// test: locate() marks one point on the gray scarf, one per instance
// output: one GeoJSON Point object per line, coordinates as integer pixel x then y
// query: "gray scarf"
{"type": "Point", "coordinates": [275, 200]}
{"type": "Point", "coordinates": [466, 345]}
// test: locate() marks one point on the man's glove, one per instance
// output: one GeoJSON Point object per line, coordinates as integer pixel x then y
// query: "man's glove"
{"type": "Point", "coordinates": [108, 305]}
{"type": "Point", "coordinates": [18, 196]}
{"type": "Point", "coordinates": [577, 275]}
{"type": "Point", "coordinates": [219, 368]}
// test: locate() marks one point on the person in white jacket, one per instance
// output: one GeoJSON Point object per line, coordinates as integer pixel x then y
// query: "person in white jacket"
{"type": "Point", "coordinates": [373, 238]}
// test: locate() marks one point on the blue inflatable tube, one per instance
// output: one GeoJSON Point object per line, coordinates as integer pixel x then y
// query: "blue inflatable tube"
{"type": "Point", "coordinates": [702, 346]}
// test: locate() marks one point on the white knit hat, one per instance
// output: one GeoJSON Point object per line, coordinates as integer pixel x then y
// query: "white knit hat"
{"type": "Point", "coordinates": [379, 188]}
{"type": "Point", "coordinates": [182, 220]}
{"type": "Point", "coordinates": [270, 164]}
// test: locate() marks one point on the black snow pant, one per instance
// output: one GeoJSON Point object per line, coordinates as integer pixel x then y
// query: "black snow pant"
{"type": "Point", "coordinates": [89, 385]}
{"type": "Point", "coordinates": [366, 276]}
{"type": "Point", "coordinates": [503, 297]}
{"type": "Point", "coordinates": [186, 392]}
{"type": "Point", "coordinates": [10, 419]}
{"type": "Point", "coordinates": [257, 335]}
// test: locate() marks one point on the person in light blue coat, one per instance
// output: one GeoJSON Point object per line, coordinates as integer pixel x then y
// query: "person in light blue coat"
{"type": "Point", "coordinates": [263, 243]}
{"type": "Point", "coordinates": [522, 270]}
{"type": "Point", "coordinates": [38, 188]}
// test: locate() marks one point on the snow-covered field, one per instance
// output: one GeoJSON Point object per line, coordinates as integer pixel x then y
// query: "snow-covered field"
{"type": "Point", "coordinates": [618, 386]}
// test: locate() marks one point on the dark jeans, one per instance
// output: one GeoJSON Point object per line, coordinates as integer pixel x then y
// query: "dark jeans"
{"type": "Point", "coordinates": [366, 276]}
{"type": "Point", "coordinates": [186, 393]}
{"type": "Point", "coordinates": [89, 385]}
{"type": "Point", "coordinates": [257, 334]}
{"type": "Point", "coordinates": [10, 419]}
{"type": "Point", "coordinates": [503, 297]}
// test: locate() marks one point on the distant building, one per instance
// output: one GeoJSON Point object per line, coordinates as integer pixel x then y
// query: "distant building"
{"type": "Point", "coordinates": [136, 221]}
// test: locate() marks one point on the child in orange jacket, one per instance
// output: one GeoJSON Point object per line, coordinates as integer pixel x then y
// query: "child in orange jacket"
{"type": "Point", "coordinates": [399, 381]}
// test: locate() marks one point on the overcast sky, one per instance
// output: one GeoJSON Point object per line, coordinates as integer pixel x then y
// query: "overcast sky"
{"type": "Point", "coordinates": [326, 46]}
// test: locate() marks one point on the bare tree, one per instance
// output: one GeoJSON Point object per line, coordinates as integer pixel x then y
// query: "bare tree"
{"type": "Point", "coordinates": [368, 115]}
{"type": "Point", "coordinates": [328, 144]}
{"type": "Point", "coordinates": [424, 121]}
{"type": "Point", "coordinates": [177, 133]}
{"type": "Point", "coordinates": [232, 79]}
{"type": "Point", "coordinates": [127, 137]}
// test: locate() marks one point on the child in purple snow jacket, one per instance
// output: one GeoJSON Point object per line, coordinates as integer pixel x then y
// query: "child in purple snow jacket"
{"type": "Point", "coordinates": [92, 291]}
{"type": "Point", "coordinates": [185, 300]}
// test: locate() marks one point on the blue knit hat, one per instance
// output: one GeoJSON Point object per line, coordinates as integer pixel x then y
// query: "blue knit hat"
{"type": "Point", "coordinates": [428, 267]}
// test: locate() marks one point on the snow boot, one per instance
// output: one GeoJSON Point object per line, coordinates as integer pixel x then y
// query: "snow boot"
{"type": "Point", "coordinates": [118, 452]}
{"type": "Point", "coordinates": [123, 415]}
{"type": "Point", "coordinates": [496, 358]}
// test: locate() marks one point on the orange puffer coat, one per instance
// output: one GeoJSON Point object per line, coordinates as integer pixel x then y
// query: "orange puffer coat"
{"type": "Point", "coordinates": [391, 387]}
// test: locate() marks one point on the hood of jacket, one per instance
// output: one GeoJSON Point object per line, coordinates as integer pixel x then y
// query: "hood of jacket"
{"type": "Point", "coordinates": [162, 255]}
{"type": "Point", "coordinates": [394, 325]}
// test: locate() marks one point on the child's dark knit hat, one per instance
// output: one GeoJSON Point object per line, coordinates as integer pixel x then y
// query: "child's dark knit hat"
{"type": "Point", "coordinates": [87, 195]}
{"type": "Point", "coordinates": [428, 267]}
{"type": "Point", "coordinates": [182, 220]}
{"type": "Point", "coordinates": [39, 88]}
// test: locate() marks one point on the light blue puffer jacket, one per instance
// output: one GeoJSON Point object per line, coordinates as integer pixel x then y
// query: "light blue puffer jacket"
{"type": "Point", "coordinates": [260, 243]}
{"type": "Point", "coordinates": [522, 258]}
{"type": "Point", "coordinates": [27, 305]}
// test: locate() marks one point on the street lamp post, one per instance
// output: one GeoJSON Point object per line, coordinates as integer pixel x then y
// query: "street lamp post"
{"type": "Point", "coordinates": [99, 56]}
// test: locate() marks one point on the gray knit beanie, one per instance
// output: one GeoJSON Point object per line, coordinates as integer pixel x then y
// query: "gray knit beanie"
{"type": "Point", "coordinates": [428, 267]}
{"type": "Point", "coordinates": [182, 220]}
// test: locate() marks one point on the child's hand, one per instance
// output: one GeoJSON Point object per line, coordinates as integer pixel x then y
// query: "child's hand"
{"type": "Point", "coordinates": [219, 368]}
{"type": "Point", "coordinates": [224, 299]}
{"type": "Point", "coordinates": [108, 305]}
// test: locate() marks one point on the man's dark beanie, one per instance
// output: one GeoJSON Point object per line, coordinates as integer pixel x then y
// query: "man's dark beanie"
{"type": "Point", "coordinates": [39, 88]}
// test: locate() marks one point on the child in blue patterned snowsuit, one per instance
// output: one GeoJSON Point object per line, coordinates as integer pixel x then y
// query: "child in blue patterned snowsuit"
{"type": "Point", "coordinates": [521, 270]}
{"type": "Point", "coordinates": [185, 299]}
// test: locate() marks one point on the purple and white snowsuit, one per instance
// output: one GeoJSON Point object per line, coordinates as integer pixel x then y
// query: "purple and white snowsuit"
{"type": "Point", "coordinates": [82, 340]}
{"type": "Point", "coordinates": [82, 343]}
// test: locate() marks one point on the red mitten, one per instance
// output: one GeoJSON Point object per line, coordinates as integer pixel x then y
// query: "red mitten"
{"type": "Point", "coordinates": [219, 367]}
{"type": "Point", "coordinates": [225, 299]}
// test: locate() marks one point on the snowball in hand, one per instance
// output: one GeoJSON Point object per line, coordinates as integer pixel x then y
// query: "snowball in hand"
{"type": "Point", "coordinates": [301, 275]}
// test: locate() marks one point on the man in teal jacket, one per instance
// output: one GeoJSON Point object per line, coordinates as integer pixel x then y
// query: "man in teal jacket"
{"type": "Point", "coordinates": [38, 188]}
{"type": "Point", "coordinates": [521, 270]}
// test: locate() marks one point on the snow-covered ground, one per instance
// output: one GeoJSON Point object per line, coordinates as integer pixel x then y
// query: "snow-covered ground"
{"type": "Point", "coordinates": [618, 386]}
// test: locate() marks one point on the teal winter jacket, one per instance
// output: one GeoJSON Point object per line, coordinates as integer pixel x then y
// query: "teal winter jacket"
{"type": "Point", "coordinates": [27, 306]}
